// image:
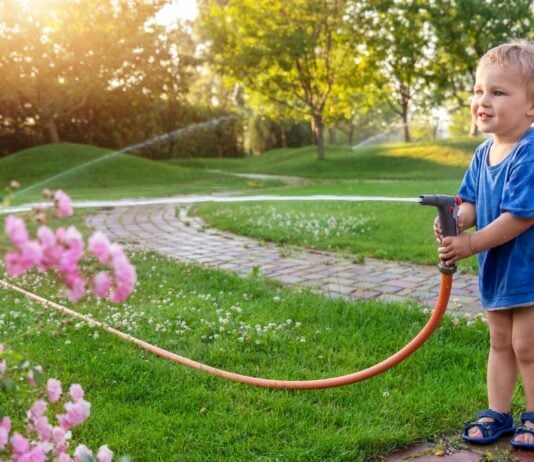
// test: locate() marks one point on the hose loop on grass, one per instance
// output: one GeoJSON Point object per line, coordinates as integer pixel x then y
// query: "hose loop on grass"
{"type": "Point", "coordinates": [427, 330]}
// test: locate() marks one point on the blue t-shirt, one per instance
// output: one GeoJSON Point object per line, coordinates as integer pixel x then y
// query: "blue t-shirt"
{"type": "Point", "coordinates": [506, 275]}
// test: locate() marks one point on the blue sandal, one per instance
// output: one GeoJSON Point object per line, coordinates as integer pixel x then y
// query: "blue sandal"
{"type": "Point", "coordinates": [491, 431]}
{"type": "Point", "coordinates": [522, 429]}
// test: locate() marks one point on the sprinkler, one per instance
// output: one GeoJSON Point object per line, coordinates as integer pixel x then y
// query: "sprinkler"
{"type": "Point", "coordinates": [448, 209]}
{"type": "Point", "coordinates": [448, 213]}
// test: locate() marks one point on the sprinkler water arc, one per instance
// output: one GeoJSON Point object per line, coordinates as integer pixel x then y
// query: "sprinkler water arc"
{"type": "Point", "coordinates": [447, 207]}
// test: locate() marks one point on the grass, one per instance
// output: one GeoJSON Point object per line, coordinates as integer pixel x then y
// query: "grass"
{"type": "Point", "coordinates": [157, 411]}
{"type": "Point", "coordinates": [88, 172]}
{"type": "Point", "coordinates": [438, 160]}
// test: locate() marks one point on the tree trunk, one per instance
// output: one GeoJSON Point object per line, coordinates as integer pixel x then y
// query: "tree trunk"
{"type": "Point", "coordinates": [317, 131]}
{"type": "Point", "coordinates": [352, 129]}
{"type": "Point", "coordinates": [52, 130]}
{"type": "Point", "coordinates": [405, 126]}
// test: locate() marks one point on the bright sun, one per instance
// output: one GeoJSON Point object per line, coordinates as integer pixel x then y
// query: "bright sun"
{"type": "Point", "coordinates": [178, 9]}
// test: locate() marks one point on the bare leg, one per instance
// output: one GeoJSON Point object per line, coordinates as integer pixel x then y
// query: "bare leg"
{"type": "Point", "coordinates": [523, 344]}
{"type": "Point", "coordinates": [502, 365]}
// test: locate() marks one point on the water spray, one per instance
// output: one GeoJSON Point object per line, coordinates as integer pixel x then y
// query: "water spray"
{"type": "Point", "coordinates": [447, 209]}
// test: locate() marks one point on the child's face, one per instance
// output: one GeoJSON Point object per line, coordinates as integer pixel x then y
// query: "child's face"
{"type": "Point", "coordinates": [500, 102]}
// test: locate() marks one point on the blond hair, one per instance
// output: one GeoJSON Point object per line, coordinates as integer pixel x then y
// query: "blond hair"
{"type": "Point", "coordinates": [516, 51]}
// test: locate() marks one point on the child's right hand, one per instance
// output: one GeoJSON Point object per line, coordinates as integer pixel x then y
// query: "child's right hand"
{"type": "Point", "coordinates": [438, 232]}
{"type": "Point", "coordinates": [460, 223]}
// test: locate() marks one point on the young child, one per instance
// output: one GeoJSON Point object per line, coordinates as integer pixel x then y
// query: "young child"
{"type": "Point", "coordinates": [498, 197]}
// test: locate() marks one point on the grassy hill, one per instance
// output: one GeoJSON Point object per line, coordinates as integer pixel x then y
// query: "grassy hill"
{"type": "Point", "coordinates": [89, 172]}
{"type": "Point", "coordinates": [445, 159]}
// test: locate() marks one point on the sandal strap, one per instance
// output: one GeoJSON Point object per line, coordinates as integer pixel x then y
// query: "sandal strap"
{"type": "Point", "coordinates": [527, 416]}
{"type": "Point", "coordinates": [501, 417]}
{"type": "Point", "coordinates": [522, 429]}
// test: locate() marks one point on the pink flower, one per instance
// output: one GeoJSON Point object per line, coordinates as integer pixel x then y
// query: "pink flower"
{"type": "Point", "coordinates": [3, 367]}
{"type": "Point", "coordinates": [5, 428]}
{"type": "Point", "coordinates": [125, 274]}
{"type": "Point", "coordinates": [16, 230]}
{"type": "Point", "coordinates": [63, 204]}
{"type": "Point", "coordinates": [75, 287]}
{"type": "Point", "coordinates": [76, 414]}
{"type": "Point", "coordinates": [37, 410]}
{"type": "Point", "coordinates": [53, 388]}
{"type": "Point", "coordinates": [82, 452]}
{"type": "Point", "coordinates": [104, 454]}
{"type": "Point", "coordinates": [101, 284]}
{"type": "Point", "coordinates": [19, 444]}
{"type": "Point", "coordinates": [100, 246]}
{"type": "Point", "coordinates": [63, 457]}
{"type": "Point", "coordinates": [43, 428]}
{"type": "Point", "coordinates": [76, 392]}
{"type": "Point", "coordinates": [26, 257]}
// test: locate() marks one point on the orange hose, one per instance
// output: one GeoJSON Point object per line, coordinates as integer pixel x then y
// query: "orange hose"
{"type": "Point", "coordinates": [431, 325]}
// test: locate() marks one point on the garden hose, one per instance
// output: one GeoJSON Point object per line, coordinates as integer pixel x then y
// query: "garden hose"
{"type": "Point", "coordinates": [448, 211]}
{"type": "Point", "coordinates": [427, 330]}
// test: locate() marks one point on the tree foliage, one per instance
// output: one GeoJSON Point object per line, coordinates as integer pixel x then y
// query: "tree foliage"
{"type": "Point", "coordinates": [290, 57]}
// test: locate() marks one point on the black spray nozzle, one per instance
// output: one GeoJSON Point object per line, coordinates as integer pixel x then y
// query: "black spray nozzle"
{"type": "Point", "coordinates": [448, 212]}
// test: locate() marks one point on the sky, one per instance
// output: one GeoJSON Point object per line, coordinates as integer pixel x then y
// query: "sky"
{"type": "Point", "coordinates": [181, 9]}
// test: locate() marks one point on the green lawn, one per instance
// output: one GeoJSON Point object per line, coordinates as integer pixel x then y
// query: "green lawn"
{"type": "Point", "coordinates": [154, 410]}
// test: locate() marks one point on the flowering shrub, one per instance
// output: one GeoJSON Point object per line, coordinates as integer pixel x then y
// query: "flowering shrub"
{"type": "Point", "coordinates": [41, 440]}
{"type": "Point", "coordinates": [61, 252]}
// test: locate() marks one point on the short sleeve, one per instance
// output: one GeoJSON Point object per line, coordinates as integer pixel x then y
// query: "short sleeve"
{"type": "Point", "coordinates": [518, 194]}
{"type": "Point", "coordinates": [468, 187]}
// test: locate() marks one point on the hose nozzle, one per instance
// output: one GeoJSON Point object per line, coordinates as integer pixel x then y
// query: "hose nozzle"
{"type": "Point", "coordinates": [448, 212]}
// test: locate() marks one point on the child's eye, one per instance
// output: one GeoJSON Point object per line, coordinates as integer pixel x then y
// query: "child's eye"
{"type": "Point", "coordinates": [498, 93]}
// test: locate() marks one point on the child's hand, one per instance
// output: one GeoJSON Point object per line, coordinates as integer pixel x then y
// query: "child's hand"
{"type": "Point", "coordinates": [454, 248]}
{"type": "Point", "coordinates": [438, 232]}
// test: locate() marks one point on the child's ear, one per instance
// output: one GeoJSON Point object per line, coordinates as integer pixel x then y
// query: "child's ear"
{"type": "Point", "coordinates": [530, 110]}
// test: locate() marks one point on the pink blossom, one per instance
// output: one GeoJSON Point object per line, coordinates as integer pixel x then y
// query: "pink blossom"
{"type": "Point", "coordinates": [63, 204]}
{"type": "Point", "coordinates": [100, 246]}
{"type": "Point", "coordinates": [1, 348]}
{"type": "Point", "coordinates": [63, 457]}
{"type": "Point", "coordinates": [19, 444]}
{"type": "Point", "coordinates": [15, 228]}
{"type": "Point", "coordinates": [43, 428]}
{"type": "Point", "coordinates": [75, 288]}
{"type": "Point", "coordinates": [37, 410]}
{"type": "Point", "coordinates": [36, 454]}
{"type": "Point", "coordinates": [52, 251]}
{"type": "Point", "coordinates": [5, 428]}
{"type": "Point", "coordinates": [3, 367]}
{"type": "Point", "coordinates": [81, 452]}
{"type": "Point", "coordinates": [125, 274]}
{"type": "Point", "coordinates": [76, 392]}
{"type": "Point", "coordinates": [53, 388]}
{"type": "Point", "coordinates": [104, 454]}
{"type": "Point", "coordinates": [76, 414]}
{"type": "Point", "coordinates": [101, 284]}
{"type": "Point", "coordinates": [26, 257]}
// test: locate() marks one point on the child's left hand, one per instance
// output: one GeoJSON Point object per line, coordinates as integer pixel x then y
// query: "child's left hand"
{"type": "Point", "coordinates": [454, 248]}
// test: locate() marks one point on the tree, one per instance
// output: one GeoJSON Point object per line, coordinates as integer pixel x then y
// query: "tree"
{"type": "Point", "coordinates": [464, 31]}
{"type": "Point", "coordinates": [56, 57]}
{"type": "Point", "coordinates": [400, 44]}
{"type": "Point", "coordinates": [288, 56]}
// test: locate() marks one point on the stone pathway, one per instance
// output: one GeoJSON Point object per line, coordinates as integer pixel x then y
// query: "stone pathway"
{"type": "Point", "coordinates": [160, 228]}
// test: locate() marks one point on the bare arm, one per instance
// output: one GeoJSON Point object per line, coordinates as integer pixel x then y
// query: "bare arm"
{"type": "Point", "coordinates": [498, 232]}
